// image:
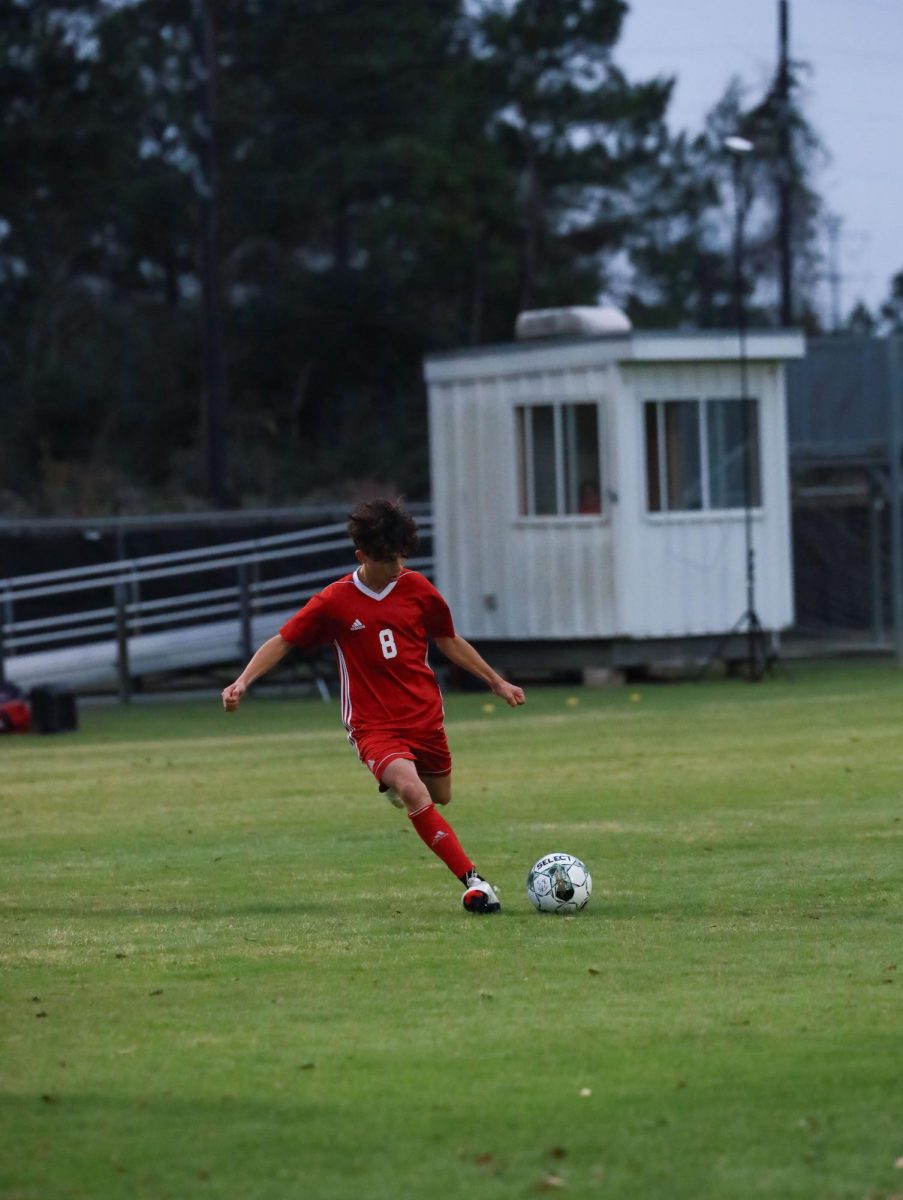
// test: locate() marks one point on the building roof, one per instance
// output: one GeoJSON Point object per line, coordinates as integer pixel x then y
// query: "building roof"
{"type": "Point", "coordinates": [517, 358]}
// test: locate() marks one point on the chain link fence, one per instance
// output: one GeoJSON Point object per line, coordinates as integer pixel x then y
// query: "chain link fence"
{"type": "Point", "coordinates": [844, 416]}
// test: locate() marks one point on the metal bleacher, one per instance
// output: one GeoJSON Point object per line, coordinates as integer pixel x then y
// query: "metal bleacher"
{"type": "Point", "coordinates": [104, 626]}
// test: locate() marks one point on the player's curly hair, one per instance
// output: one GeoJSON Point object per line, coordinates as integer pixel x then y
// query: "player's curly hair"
{"type": "Point", "coordinates": [383, 530]}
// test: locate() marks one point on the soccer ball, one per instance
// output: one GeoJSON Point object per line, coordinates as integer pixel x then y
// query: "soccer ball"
{"type": "Point", "coordinates": [559, 883]}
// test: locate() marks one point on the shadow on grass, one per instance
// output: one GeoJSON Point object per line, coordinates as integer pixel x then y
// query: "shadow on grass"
{"type": "Point", "coordinates": [149, 911]}
{"type": "Point", "coordinates": [81, 1144]}
{"type": "Point", "coordinates": [806, 912]}
{"type": "Point", "coordinates": [181, 1110]}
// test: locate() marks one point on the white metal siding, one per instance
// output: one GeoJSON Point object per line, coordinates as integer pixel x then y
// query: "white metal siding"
{"type": "Point", "coordinates": [630, 573]}
{"type": "Point", "coordinates": [685, 573]}
{"type": "Point", "coordinates": [506, 576]}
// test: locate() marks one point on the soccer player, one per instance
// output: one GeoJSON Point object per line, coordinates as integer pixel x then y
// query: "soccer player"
{"type": "Point", "coordinates": [379, 620]}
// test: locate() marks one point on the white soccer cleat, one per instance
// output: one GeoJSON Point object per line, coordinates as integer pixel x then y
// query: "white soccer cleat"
{"type": "Point", "coordinates": [391, 795]}
{"type": "Point", "coordinates": [479, 897]}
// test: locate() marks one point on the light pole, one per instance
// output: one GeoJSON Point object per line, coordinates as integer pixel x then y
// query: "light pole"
{"type": "Point", "coordinates": [758, 657]}
{"type": "Point", "coordinates": [757, 653]}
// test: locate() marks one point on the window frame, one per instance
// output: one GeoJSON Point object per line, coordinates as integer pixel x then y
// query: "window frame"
{"type": "Point", "coordinates": [525, 481]}
{"type": "Point", "coordinates": [707, 511]}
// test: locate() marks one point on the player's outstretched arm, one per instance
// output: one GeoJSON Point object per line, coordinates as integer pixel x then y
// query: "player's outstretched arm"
{"type": "Point", "coordinates": [459, 651]}
{"type": "Point", "coordinates": [269, 654]}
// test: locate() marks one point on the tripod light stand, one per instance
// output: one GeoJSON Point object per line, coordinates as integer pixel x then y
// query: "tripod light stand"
{"type": "Point", "coordinates": [759, 657]}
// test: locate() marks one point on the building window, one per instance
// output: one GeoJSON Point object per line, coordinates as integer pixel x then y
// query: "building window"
{"type": "Point", "coordinates": [696, 455]}
{"type": "Point", "coordinates": [558, 460]}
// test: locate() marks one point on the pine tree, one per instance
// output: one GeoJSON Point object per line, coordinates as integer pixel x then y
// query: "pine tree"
{"type": "Point", "coordinates": [892, 307]}
{"type": "Point", "coordinates": [683, 252]}
{"type": "Point", "coordinates": [576, 136]}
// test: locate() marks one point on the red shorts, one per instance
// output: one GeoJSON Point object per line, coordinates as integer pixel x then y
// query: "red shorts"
{"type": "Point", "coordinates": [426, 749]}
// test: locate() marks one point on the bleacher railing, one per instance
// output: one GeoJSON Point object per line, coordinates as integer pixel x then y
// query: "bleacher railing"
{"type": "Point", "coordinates": [159, 593]}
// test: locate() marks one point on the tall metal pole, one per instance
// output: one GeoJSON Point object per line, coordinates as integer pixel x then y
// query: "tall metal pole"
{"type": "Point", "coordinates": [740, 309]}
{"type": "Point", "coordinates": [739, 148]}
{"type": "Point", "coordinates": [834, 277]}
{"type": "Point", "coordinates": [759, 657]}
{"type": "Point", "coordinates": [747, 425]}
{"type": "Point", "coordinates": [785, 167]}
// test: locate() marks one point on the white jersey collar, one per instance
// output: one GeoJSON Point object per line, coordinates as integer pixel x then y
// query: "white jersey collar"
{"type": "Point", "coordinates": [362, 587]}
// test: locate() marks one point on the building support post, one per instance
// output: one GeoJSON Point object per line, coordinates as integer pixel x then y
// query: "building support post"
{"type": "Point", "coordinates": [244, 608]}
{"type": "Point", "coordinates": [122, 643]}
{"type": "Point", "coordinates": [876, 510]}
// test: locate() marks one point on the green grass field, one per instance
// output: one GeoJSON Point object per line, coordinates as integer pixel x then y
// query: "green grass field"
{"type": "Point", "coordinates": [230, 969]}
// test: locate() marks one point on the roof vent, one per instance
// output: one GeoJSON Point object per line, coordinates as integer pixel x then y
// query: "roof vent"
{"type": "Point", "coordinates": [571, 322]}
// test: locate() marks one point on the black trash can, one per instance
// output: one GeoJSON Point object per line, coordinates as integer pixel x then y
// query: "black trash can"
{"type": "Point", "coordinates": [53, 710]}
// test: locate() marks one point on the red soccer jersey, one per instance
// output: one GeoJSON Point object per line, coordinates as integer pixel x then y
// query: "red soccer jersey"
{"type": "Point", "coordinates": [380, 640]}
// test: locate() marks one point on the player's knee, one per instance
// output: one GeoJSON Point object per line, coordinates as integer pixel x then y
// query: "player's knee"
{"type": "Point", "coordinates": [413, 794]}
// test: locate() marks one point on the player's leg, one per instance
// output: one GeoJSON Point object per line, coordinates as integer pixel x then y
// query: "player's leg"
{"type": "Point", "coordinates": [433, 761]}
{"type": "Point", "coordinates": [400, 776]}
{"type": "Point", "coordinates": [436, 833]}
{"type": "Point", "coordinates": [434, 765]}
{"type": "Point", "coordinates": [439, 788]}
{"type": "Point", "coordinates": [431, 827]}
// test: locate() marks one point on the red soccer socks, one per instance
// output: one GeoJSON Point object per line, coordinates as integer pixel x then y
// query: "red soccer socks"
{"type": "Point", "coordinates": [433, 829]}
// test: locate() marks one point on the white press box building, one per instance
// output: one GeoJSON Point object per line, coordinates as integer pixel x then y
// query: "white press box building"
{"type": "Point", "coordinates": [589, 491]}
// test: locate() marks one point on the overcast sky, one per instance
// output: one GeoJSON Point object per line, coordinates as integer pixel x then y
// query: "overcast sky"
{"type": "Point", "coordinates": [854, 98]}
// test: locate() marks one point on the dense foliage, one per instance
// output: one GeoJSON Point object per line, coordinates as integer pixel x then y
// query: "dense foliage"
{"type": "Point", "coordinates": [272, 210]}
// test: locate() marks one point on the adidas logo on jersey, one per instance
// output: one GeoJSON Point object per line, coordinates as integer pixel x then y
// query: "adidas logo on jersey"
{"type": "Point", "coordinates": [356, 624]}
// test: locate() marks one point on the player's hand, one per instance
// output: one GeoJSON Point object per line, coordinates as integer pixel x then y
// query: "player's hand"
{"type": "Point", "coordinates": [510, 693]}
{"type": "Point", "coordinates": [232, 695]}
